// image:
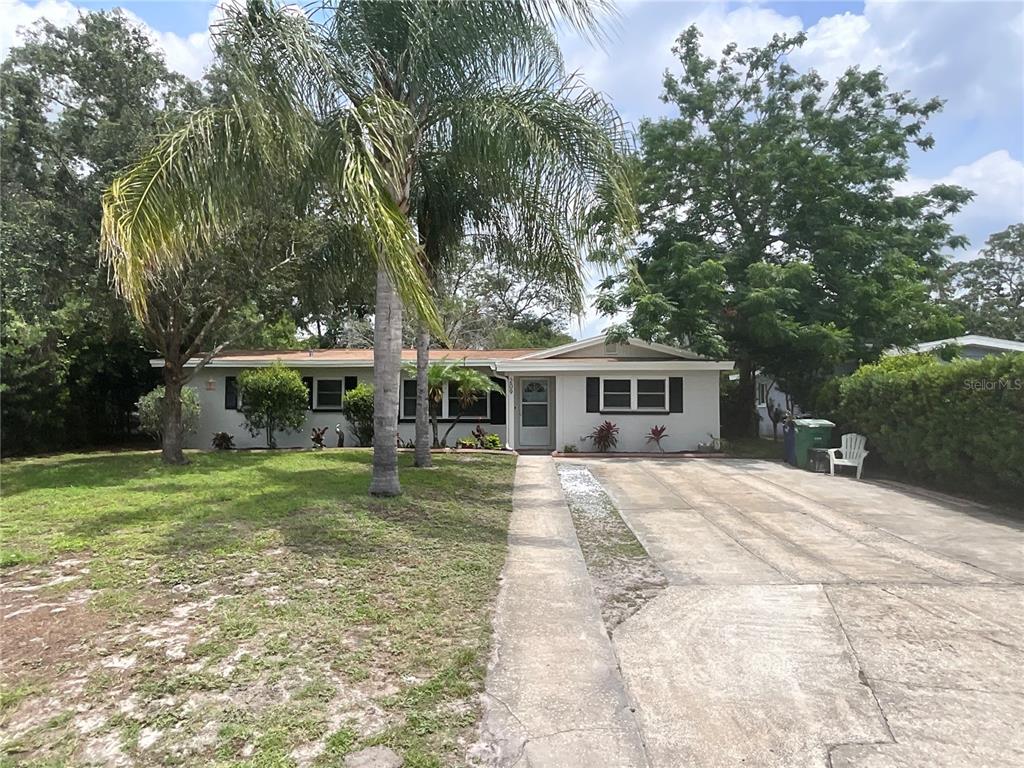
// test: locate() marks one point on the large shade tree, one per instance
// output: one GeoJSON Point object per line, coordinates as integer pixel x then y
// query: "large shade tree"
{"type": "Point", "coordinates": [342, 105]}
{"type": "Point", "coordinates": [774, 234]}
{"type": "Point", "coordinates": [988, 291]}
{"type": "Point", "coordinates": [77, 104]}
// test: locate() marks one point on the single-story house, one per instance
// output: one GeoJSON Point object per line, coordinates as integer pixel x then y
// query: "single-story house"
{"type": "Point", "coordinates": [972, 346]}
{"type": "Point", "coordinates": [549, 398]}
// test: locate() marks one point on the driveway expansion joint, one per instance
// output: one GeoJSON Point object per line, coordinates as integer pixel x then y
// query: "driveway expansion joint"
{"type": "Point", "coordinates": [861, 674]}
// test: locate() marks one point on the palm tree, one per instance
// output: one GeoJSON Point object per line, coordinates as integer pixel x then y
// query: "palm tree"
{"type": "Point", "coordinates": [526, 196]}
{"type": "Point", "coordinates": [344, 106]}
{"type": "Point", "coordinates": [445, 377]}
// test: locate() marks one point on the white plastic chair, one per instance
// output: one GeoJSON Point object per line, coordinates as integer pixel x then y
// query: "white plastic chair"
{"type": "Point", "coordinates": [853, 454]}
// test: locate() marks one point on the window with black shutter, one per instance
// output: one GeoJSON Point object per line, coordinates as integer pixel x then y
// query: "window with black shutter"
{"type": "Point", "coordinates": [498, 402]}
{"type": "Point", "coordinates": [476, 408]}
{"type": "Point", "coordinates": [329, 393]}
{"type": "Point", "coordinates": [409, 399]}
{"type": "Point", "coordinates": [230, 393]}
{"type": "Point", "coordinates": [675, 394]}
{"type": "Point", "coordinates": [308, 381]}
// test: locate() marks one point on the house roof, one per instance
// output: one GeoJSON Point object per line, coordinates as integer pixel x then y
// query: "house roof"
{"type": "Point", "coordinates": [566, 357]}
{"type": "Point", "coordinates": [970, 340]}
{"type": "Point", "coordinates": [300, 356]}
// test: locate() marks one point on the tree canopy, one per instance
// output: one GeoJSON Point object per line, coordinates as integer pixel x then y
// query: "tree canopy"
{"type": "Point", "coordinates": [76, 104]}
{"type": "Point", "coordinates": [988, 292]}
{"type": "Point", "coordinates": [772, 230]}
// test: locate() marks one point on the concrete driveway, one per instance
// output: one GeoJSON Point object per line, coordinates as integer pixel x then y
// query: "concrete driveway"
{"type": "Point", "coordinates": [808, 621]}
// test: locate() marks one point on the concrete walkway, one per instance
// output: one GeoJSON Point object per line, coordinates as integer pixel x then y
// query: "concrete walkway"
{"type": "Point", "coordinates": [554, 696]}
{"type": "Point", "coordinates": [809, 621]}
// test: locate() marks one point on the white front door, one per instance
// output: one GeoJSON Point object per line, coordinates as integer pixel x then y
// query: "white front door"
{"type": "Point", "coordinates": [535, 413]}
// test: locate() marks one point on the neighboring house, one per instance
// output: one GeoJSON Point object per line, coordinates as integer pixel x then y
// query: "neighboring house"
{"type": "Point", "coordinates": [770, 397]}
{"type": "Point", "coordinates": [972, 346]}
{"type": "Point", "coordinates": [550, 398]}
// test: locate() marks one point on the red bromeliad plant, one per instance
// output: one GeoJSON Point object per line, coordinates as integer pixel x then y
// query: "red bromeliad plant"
{"type": "Point", "coordinates": [605, 436]}
{"type": "Point", "coordinates": [656, 434]}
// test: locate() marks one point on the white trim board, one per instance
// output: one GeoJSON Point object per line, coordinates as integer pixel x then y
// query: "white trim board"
{"type": "Point", "coordinates": [594, 341]}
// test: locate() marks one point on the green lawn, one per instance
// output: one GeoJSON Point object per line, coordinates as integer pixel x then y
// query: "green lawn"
{"type": "Point", "coordinates": [251, 609]}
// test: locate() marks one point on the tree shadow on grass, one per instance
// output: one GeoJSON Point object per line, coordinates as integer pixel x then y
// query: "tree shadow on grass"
{"type": "Point", "coordinates": [318, 510]}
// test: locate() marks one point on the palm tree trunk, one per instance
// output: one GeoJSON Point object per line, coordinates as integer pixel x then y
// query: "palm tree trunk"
{"type": "Point", "coordinates": [423, 458]}
{"type": "Point", "coordinates": [173, 438]}
{"type": "Point", "coordinates": [387, 366]}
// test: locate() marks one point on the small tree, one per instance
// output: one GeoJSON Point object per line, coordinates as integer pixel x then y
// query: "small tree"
{"type": "Point", "coordinates": [272, 398]}
{"type": "Point", "coordinates": [357, 408]}
{"type": "Point", "coordinates": [151, 411]}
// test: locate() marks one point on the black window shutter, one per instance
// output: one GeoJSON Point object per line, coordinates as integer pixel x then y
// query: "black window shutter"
{"type": "Point", "coordinates": [675, 394]}
{"type": "Point", "coordinates": [351, 382]}
{"type": "Point", "coordinates": [308, 381]}
{"type": "Point", "coordinates": [230, 393]}
{"type": "Point", "coordinates": [498, 403]}
{"type": "Point", "coordinates": [593, 394]}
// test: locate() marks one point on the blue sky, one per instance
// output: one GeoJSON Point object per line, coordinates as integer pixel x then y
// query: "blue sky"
{"type": "Point", "coordinates": [970, 53]}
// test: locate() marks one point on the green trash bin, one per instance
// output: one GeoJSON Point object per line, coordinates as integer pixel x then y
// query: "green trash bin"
{"type": "Point", "coordinates": [811, 433]}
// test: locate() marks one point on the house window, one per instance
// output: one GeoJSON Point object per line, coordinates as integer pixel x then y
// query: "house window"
{"type": "Point", "coordinates": [450, 408]}
{"type": "Point", "coordinates": [634, 394]}
{"type": "Point", "coordinates": [652, 394]}
{"type": "Point", "coordinates": [329, 393]}
{"type": "Point", "coordinates": [409, 399]}
{"type": "Point", "coordinates": [477, 408]}
{"type": "Point", "coordinates": [616, 394]}
{"type": "Point", "coordinates": [762, 393]}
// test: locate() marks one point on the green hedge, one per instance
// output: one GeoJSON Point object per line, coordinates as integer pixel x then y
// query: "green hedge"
{"type": "Point", "coordinates": [959, 424]}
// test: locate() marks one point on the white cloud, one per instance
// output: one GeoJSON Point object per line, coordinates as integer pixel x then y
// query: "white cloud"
{"type": "Point", "coordinates": [997, 179]}
{"type": "Point", "coordinates": [970, 54]}
{"type": "Point", "coordinates": [747, 26]}
{"type": "Point", "coordinates": [189, 54]}
{"type": "Point", "coordinates": [19, 15]}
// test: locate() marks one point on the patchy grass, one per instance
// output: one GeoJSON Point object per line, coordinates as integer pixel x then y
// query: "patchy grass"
{"type": "Point", "coordinates": [251, 609]}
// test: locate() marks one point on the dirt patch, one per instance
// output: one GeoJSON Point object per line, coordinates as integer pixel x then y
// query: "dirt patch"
{"type": "Point", "coordinates": [624, 575]}
{"type": "Point", "coordinates": [246, 610]}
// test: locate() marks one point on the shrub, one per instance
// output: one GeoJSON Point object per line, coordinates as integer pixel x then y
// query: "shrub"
{"type": "Point", "coordinates": [317, 436]}
{"type": "Point", "coordinates": [467, 442]}
{"type": "Point", "coordinates": [222, 441]}
{"type": "Point", "coordinates": [357, 408]}
{"type": "Point", "coordinates": [272, 398]}
{"type": "Point", "coordinates": [605, 436]}
{"type": "Point", "coordinates": [570, 448]}
{"type": "Point", "coordinates": [656, 435]}
{"type": "Point", "coordinates": [151, 411]}
{"type": "Point", "coordinates": [492, 442]}
{"type": "Point", "coordinates": [957, 423]}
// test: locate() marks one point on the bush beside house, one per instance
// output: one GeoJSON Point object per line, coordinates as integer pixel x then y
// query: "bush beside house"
{"type": "Point", "coordinates": [957, 424]}
{"type": "Point", "coordinates": [151, 411]}
{"type": "Point", "coordinates": [357, 408]}
{"type": "Point", "coordinates": [272, 398]}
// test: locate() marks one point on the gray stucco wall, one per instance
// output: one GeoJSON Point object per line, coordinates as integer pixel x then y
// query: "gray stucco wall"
{"type": "Point", "coordinates": [700, 416]}
{"type": "Point", "coordinates": [209, 385]}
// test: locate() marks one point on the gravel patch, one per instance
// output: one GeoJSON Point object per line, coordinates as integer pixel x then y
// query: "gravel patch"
{"type": "Point", "coordinates": [625, 577]}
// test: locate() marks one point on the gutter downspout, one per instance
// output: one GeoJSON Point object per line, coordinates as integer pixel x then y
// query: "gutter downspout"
{"type": "Point", "coordinates": [510, 402]}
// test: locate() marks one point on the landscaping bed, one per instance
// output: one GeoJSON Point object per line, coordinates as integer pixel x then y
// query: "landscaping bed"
{"type": "Point", "coordinates": [251, 609]}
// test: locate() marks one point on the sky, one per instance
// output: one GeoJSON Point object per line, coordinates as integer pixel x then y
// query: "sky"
{"type": "Point", "coordinates": [968, 52]}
